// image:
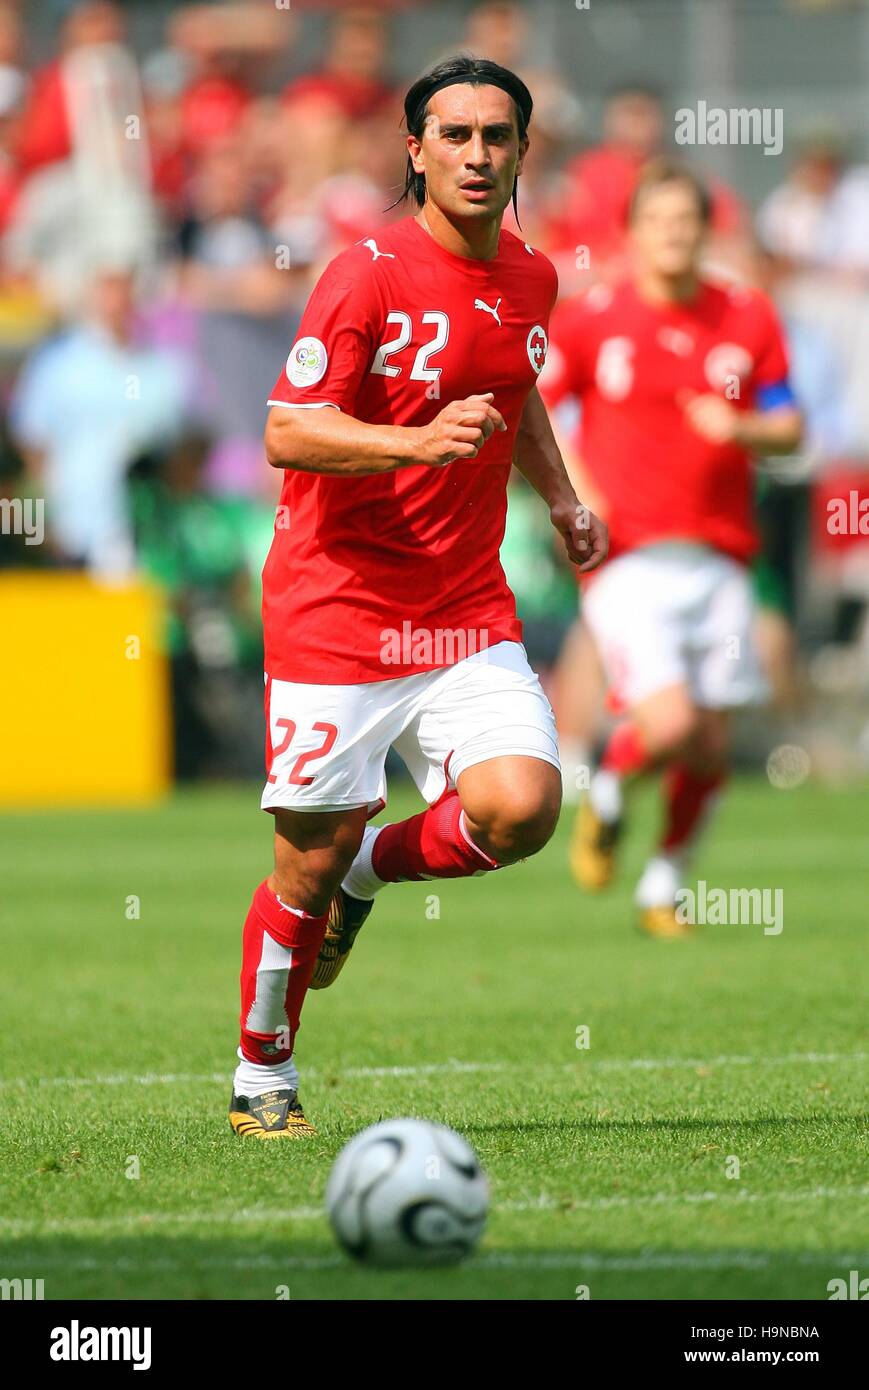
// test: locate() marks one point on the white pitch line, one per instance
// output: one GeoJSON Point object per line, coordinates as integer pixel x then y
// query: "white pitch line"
{"type": "Point", "coordinates": [602, 1263]}
{"type": "Point", "coordinates": [451, 1068]}
{"type": "Point", "coordinates": [672, 1260]}
{"type": "Point", "coordinates": [224, 1077]}
{"type": "Point", "coordinates": [132, 1263]}
{"type": "Point", "coordinates": [656, 1199]}
{"type": "Point", "coordinates": [143, 1221]}
{"type": "Point", "coordinates": [581, 1261]}
{"type": "Point", "coordinates": [730, 1060]}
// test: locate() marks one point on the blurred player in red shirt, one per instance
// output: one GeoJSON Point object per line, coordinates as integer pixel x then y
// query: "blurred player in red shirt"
{"type": "Point", "coordinates": [353, 73]}
{"type": "Point", "coordinates": [592, 208]}
{"type": "Point", "coordinates": [409, 391]}
{"type": "Point", "coordinates": [680, 381]}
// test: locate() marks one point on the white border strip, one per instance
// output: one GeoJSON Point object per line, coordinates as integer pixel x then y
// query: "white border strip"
{"type": "Point", "coordinates": [581, 1261]}
{"type": "Point", "coordinates": [451, 1068]}
{"type": "Point", "coordinates": [144, 1221]}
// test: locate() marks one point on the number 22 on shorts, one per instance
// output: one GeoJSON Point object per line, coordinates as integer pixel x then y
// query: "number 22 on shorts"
{"type": "Point", "coordinates": [289, 726]}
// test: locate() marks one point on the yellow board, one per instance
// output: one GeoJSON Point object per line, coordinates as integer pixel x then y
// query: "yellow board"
{"type": "Point", "coordinates": [84, 692]}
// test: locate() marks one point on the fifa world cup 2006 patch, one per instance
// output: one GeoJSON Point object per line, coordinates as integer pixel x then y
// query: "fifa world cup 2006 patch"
{"type": "Point", "coordinates": [306, 364]}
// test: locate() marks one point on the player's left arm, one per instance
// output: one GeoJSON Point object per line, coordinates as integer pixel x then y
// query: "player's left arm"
{"type": "Point", "coordinates": [538, 459]}
{"type": "Point", "coordinates": [773, 423]}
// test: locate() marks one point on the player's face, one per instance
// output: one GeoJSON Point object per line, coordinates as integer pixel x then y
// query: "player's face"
{"type": "Point", "coordinates": [470, 151]}
{"type": "Point", "coordinates": [667, 230]}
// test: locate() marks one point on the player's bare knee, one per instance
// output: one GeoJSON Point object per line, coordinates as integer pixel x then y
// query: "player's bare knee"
{"type": "Point", "coordinates": [312, 856]}
{"type": "Point", "coordinates": [521, 827]}
{"type": "Point", "coordinates": [529, 837]}
{"type": "Point", "coordinates": [673, 732]}
{"type": "Point", "coordinates": [310, 882]}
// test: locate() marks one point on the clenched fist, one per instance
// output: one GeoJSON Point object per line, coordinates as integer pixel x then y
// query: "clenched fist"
{"type": "Point", "coordinates": [459, 431]}
{"type": "Point", "coordinates": [712, 417]}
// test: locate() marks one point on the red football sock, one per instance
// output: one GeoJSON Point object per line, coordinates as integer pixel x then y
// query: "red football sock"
{"type": "Point", "coordinates": [433, 844]}
{"type": "Point", "coordinates": [625, 753]}
{"type": "Point", "coordinates": [279, 951]}
{"type": "Point", "coordinates": [688, 797]}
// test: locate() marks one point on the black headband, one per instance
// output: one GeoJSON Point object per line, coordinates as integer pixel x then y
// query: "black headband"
{"type": "Point", "coordinates": [464, 80]}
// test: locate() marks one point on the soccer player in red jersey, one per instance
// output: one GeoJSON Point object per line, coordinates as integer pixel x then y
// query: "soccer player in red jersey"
{"type": "Point", "coordinates": [406, 397]}
{"type": "Point", "coordinates": [680, 381]}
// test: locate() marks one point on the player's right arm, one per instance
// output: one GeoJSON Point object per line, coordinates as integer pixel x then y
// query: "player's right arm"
{"type": "Point", "coordinates": [313, 425]}
{"type": "Point", "coordinates": [331, 441]}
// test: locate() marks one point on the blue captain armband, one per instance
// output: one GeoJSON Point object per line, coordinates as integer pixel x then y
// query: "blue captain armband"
{"type": "Point", "coordinates": [775, 396]}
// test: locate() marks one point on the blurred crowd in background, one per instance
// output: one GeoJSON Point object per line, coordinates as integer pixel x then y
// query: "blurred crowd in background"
{"type": "Point", "coordinates": [164, 214]}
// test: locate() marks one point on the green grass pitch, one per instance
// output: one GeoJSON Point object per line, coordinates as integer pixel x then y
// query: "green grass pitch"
{"type": "Point", "coordinates": [609, 1165]}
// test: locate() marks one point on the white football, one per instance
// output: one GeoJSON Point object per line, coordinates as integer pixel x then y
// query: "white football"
{"type": "Point", "coordinates": [407, 1192]}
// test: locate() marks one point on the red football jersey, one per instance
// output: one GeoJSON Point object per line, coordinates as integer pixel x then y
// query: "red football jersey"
{"type": "Point", "coordinates": [627, 362]}
{"type": "Point", "coordinates": [396, 328]}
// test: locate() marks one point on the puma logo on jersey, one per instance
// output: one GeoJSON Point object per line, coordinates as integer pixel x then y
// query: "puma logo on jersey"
{"type": "Point", "coordinates": [375, 249]}
{"type": "Point", "coordinates": [481, 304]}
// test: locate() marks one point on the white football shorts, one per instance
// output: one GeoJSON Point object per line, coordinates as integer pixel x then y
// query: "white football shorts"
{"type": "Point", "coordinates": [676, 613]}
{"type": "Point", "coordinates": [327, 744]}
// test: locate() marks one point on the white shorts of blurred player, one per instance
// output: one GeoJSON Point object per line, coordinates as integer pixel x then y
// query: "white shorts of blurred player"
{"type": "Point", "coordinates": [328, 743]}
{"type": "Point", "coordinates": [676, 613]}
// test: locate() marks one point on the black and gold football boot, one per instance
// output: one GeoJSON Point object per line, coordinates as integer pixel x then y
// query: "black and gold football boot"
{"type": "Point", "coordinates": [346, 916]}
{"type": "Point", "coordinates": [273, 1115]}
